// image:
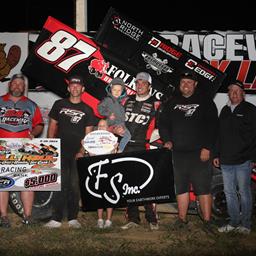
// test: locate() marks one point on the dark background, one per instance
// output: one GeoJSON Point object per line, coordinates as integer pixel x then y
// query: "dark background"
{"type": "Point", "coordinates": [28, 15]}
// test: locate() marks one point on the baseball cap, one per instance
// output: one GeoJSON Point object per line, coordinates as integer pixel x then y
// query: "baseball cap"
{"type": "Point", "coordinates": [116, 81]}
{"type": "Point", "coordinates": [76, 79]}
{"type": "Point", "coordinates": [144, 76]}
{"type": "Point", "coordinates": [237, 83]}
{"type": "Point", "coordinates": [188, 75]}
{"type": "Point", "coordinates": [18, 76]}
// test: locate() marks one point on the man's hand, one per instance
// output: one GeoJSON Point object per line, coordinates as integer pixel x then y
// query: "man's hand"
{"type": "Point", "coordinates": [79, 155]}
{"type": "Point", "coordinates": [204, 155]}
{"type": "Point", "coordinates": [112, 116]}
{"type": "Point", "coordinates": [119, 130]}
{"type": "Point", "coordinates": [168, 145]}
{"type": "Point", "coordinates": [30, 135]}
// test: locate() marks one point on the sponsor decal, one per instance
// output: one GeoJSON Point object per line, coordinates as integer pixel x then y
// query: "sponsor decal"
{"type": "Point", "coordinates": [127, 28]}
{"type": "Point", "coordinates": [167, 49]}
{"type": "Point", "coordinates": [6, 182]}
{"type": "Point", "coordinates": [155, 63]}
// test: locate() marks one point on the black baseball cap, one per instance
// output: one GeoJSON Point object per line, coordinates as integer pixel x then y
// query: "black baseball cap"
{"type": "Point", "coordinates": [18, 76]}
{"type": "Point", "coordinates": [76, 79]}
{"type": "Point", "coordinates": [237, 83]}
{"type": "Point", "coordinates": [188, 75]}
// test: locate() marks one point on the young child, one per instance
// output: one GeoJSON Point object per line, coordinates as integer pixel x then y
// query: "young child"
{"type": "Point", "coordinates": [103, 125]}
{"type": "Point", "coordinates": [113, 110]}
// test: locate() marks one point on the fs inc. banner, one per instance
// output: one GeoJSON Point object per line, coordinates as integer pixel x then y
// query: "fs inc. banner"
{"type": "Point", "coordinates": [27, 165]}
{"type": "Point", "coordinates": [149, 51]}
{"type": "Point", "coordinates": [116, 180]}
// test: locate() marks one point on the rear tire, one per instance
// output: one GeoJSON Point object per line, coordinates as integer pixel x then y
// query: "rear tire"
{"type": "Point", "coordinates": [42, 208]}
{"type": "Point", "coordinates": [219, 203]}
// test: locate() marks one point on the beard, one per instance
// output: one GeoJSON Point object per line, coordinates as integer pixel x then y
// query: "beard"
{"type": "Point", "coordinates": [16, 93]}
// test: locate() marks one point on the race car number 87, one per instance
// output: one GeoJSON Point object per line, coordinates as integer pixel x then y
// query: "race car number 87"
{"type": "Point", "coordinates": [55, 49]}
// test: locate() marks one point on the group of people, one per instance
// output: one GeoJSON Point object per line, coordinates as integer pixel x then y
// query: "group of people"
{"type": "Point", "coordinates": [188, 125]}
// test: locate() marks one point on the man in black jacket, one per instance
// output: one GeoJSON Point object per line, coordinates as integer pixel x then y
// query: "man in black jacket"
{"type": "Point", "coordinates": [236, 148]}
{"type": "Point", "coordinates": [187, 125]}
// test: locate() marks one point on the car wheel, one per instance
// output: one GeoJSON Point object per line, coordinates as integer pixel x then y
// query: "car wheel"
{"type": "Point", "coordinates": [219, 203]}
{"type": "Point", "coordinates": [41, 210]}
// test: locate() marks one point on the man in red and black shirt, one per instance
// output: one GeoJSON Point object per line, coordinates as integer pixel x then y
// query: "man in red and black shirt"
{"type": "Point", "coordinates": [20, 117]}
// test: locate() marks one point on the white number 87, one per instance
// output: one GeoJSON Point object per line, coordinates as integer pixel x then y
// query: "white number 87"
{"type": "Point", "coordinates": [58, 45]}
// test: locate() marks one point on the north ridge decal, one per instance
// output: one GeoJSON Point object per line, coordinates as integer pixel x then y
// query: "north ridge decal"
{"type": "Point", "coordinates": [95, 171]}
{"type": "Point", "coordinates": [127, 28]}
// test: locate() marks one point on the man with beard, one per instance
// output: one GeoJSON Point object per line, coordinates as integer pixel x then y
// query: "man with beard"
{"type": "Point", "coordinates": [20, 117]}
{"type": "Point", "coordinates": [187, 126]}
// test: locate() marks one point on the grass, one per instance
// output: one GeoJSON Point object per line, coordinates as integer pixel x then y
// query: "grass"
{"type": "Point", "coordinates": [89, 240]}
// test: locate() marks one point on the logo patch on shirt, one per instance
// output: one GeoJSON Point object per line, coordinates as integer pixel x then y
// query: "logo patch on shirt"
{"type": "Point", "coordinates": [13, 116]}
{"type": "Point", "coordinates": [187, 109]}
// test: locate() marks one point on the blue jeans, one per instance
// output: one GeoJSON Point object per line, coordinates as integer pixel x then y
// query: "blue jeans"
{"type": "Point", "coordinates": [237, 188]}
{"type": "Point", "coordinates": [125, 139]}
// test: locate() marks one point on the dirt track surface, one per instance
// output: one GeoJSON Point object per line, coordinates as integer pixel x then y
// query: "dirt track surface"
{"type": "Point", "coordinates": [89, 240]}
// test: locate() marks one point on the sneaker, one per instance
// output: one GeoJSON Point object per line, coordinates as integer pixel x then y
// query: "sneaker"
{"type": "Point", "coordinates": [209, 228]}
{"type": "Point", "coordinates": [4, 222]}
{"type": "Point", "coordinates": [74, 224]}
{"type": "Point", "coordinates": [53, 224]}
{"type": "Point", "coordinates": [243, 230]}
{"type": "Point", "coordinates": [179, 224]}
{"type": "Point", "coordinates": [108, 224]}
{"type": "Point", "coordinates": [100, 223]}
{"type": "Point", "coordinates": [153, 226]}
{"type": "Point", "coordinates": [129, 225]}
{"type": "Point", "coordinates": [28, 221]}
{"type": "Point", "coordinates": [227, 228]}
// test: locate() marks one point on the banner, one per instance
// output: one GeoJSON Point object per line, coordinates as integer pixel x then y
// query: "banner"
{"type": "Point", "coordinates": [136, 178]}
{"type": "Point", "coordinates": [27, 165]}
{"type": "Point", "coordinates": [149, 51]}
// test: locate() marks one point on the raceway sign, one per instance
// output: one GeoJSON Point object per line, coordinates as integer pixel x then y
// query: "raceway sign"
{"type": "Point", "coordinates": [30, 165]}
{"type": "Point", "coordinates": [232, 52]}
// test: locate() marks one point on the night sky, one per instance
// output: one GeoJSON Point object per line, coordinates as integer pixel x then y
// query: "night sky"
{"type": "Point", "coordinates": [29, 15]}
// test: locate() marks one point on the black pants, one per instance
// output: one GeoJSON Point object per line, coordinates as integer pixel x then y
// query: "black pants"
{"type": "Point", "coordinates": [134, 216]}
{"type": "Point", "coordinates": [133, 210]}
{"type": "Point", "coordinates": [66, 201]}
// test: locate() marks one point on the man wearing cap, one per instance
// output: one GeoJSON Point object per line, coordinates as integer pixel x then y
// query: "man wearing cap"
{"type": "Point", "coordinates": [20, 117]}
{"type": "Point", "coordinates": [236, 150]}
{"type": "Point", "coordinates": [113, 110]}
{"type": "Point", "coordinates": [187, 125]}
{"type": "Point", "coordinates": [140, 110]}
{"type": "Point", "coordinates": [69, 119]}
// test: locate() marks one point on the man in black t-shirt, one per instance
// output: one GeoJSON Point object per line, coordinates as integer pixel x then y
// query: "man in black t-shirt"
{"type": "Point", "coordinates": [187, 125]}
{"type": "Point", "coordinates": [70, 120]}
